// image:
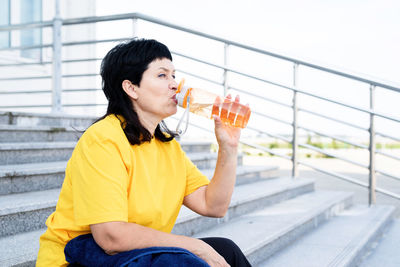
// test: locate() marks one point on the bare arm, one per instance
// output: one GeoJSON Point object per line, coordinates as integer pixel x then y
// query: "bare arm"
{"type": "Point", "coordinates": [214, 199]}
{"type": "Point", "coordinates": [115, 237]}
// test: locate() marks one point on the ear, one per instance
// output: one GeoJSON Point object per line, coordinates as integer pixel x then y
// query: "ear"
{"type": "Point", "coordinates": [130, 89]}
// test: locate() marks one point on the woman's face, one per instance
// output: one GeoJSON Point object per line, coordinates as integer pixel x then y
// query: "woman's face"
{"type": "Point", "coordinates": [156, 92]}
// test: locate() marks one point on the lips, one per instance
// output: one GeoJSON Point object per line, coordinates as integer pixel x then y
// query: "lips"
{"type": "Point", "coordinates": [174, 98]}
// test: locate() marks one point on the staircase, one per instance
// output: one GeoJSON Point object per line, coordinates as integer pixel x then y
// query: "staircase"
{"type": "Point", "coordinates": [276, 221]}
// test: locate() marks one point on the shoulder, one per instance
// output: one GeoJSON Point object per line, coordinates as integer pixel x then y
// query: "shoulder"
{"type": "Point", "coordinates": [172, 148]}
{"type": "Point", "coordinates": [173, 145]}
{"type": "Point", "coordinates": [108, 129]}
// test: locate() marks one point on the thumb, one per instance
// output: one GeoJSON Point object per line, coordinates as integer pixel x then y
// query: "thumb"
{"type": "Point", "coordinates": [217, 121]}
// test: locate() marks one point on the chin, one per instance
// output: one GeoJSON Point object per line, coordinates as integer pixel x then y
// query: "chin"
{"type": "Point", "coordinates": [174, 111]}
{"type": "Point", "coordinates": [171, 113]}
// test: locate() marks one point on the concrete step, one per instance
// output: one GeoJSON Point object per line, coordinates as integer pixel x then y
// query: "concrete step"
{"type": "Point", "coordinates": [16, 133]}
{"type": "Point", "coordinates": [21, 249]}
{"type": "Point", "coordinates": [246, 198]}
{"type": "Point", "coordinates": [20, 178]}
{"type": "Point", "coordinates": [385, 251]}
{"type": "Point", "coordinates": [35, 152]}
{"type": "Point", "coordinates": [262, 233]}
{"type": "Point", "coordinates": [340, 242]}
{"type": "Point", "coordinates": [26, 211]}
{"type": "Point", "coordinates": [15, 208]}
{"type": "Point", "coordinates": [29, 177]}
{"type": "Point", "coordinates": [35, 119]}
{"type": "Point", "coordinates": [249, 174]}
{"type": "Point", "coordinates": [195, 146]}
{"type": "Point", "coordinates": [208, 160]}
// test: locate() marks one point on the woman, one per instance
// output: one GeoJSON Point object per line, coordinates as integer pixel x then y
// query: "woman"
{"type": "Point", "coordinates": [127, 177]}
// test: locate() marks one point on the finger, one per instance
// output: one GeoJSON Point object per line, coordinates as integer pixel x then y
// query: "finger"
{"type": "Point", "coordinates": [224, 109]}
{"type": "Point", "coordinates": [243, 114]}
{"type": "Point", "coordinates": [224, 263]}
{"type": "Point", "coordinates": [237, 98]}
{"type": "Point", "coordinates": [233, 110]}
{"type": "Point", "coordinates": [246, 116]}
{"type": "Point", "coordinates": [216, 106]}
{"type": "Point", "coordinates": [217, 120]}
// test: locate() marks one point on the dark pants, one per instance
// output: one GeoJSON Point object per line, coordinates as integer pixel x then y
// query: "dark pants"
{"type": "Point", "coordinates": [229, 250]}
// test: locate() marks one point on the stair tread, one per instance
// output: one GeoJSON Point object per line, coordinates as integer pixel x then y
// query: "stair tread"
{"type": "Point", "coordinates": [242, 169]}
{"type": "Point", "coordinates": [57, 166]}
{"type": "Point", "coordinates": [32, 168]}
{"type": "Point", "coordinates": [46, 115]}
{"type": "Point", "coordinates": [19, 248]}
{"type": "Point", "coordinates": [13, 127]}
{"type": "Point", "coordinates": [56, 144]}
{"type": "Point", "coordinates": [387, 251]}
{"type": "Point", "coordinates": [195, 142]}
{"type": "Point", "coordinates": [247, 192]}
{"type": "Point", "coordinates": [13, 254]}
{"type": "Point", "coordinates": [336, 242]}
{"type": "Point", "coordinates": [21, 202]}
{"type": "Point", "coordinates": [37, 145]}
{"type": "Point", "coordinates": [271, 223]}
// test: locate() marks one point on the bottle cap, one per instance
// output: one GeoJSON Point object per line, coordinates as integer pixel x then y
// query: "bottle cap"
{"type": "Point", "coordinates": [182, 94]}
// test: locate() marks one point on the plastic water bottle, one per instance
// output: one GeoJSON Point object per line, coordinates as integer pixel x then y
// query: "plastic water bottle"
{"type": "Point", "coordinates": [207, 104]}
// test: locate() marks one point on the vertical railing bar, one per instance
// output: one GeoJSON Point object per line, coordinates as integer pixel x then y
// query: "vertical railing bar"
{"type": "Point", "coordinates": [295, 171]}
{"type": "Point", "coordinates": [372, 148]}
{"type": "Point", "coordinates": [134, 27]}
{"type": "Point", "coordinates": [9, 23]}
{"type": "Point", "coordinates": [41, 34]}
{"type": "Point", "coordinates": [226, 54]}
{"type": "Point", "coordinates": [57, 61]}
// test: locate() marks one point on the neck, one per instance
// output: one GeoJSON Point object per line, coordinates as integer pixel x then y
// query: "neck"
{"type": "Point", "coordinates": [149, 122]}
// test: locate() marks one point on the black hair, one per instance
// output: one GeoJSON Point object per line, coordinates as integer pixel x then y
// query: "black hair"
{"type": "Point", "coordinates": [128, 61]}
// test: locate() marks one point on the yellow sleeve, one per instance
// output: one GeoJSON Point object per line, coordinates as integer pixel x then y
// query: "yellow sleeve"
{"type": "Point", "coordinates": [194, 178]}
{"type": "Point", "coordinates": [99, 182]}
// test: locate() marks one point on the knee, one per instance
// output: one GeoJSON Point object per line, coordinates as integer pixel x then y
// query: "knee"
{"type": "Point", "coordinates": [227, 244]}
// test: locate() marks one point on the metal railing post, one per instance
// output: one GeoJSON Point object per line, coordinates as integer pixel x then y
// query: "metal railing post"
{"type": "Point", "coordinates": [295, 171]}
{"type": "Point", "coordinates": [134, 27]}
{"type": "Point", "coordinates": [372, 147]}
{"type": "Point", "coordinates": [226, 54]}
{"type": "Point", "coordinates": [57, 61]}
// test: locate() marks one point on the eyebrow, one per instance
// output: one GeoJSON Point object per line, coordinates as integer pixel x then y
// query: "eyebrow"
{"type": "Point", "coordinates": [166, 69]}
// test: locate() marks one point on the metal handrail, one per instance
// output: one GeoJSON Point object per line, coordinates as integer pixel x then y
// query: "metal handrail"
{"type": "Point", "coordinates": [50, 91]}
{"type": "Point", "coordinates": [58, 22]}
{"type": "Point", "coordinates": [95, 19]}
{"type": "Point", "coordinates": [349, 179]}
{"type": "Point", "coordinates": [292, 88]}
{"type": "Point", "coordinates": [49, 62]}
{"type": "Point", "coordinates": [333, 137]}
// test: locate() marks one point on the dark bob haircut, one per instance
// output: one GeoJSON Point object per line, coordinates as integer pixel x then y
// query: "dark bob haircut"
{"type": "Point", "coordinates": [128, 61]}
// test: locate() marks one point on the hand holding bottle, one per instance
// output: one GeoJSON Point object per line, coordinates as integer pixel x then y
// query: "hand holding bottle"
{"type": "Point", "coordinates": [207, 104]}
{"type": "Point", "coordinates": [226, 134]}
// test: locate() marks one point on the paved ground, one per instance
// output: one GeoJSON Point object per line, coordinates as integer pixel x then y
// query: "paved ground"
{"type": "Point", "coordinates": [327, 182]}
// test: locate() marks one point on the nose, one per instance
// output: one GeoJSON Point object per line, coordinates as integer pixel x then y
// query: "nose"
{"type": "Point", "coordinates": [173, 85]}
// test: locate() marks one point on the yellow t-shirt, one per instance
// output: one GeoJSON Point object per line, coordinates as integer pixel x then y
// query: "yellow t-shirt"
{"type": "Point", "coordinates": [108, 179]}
